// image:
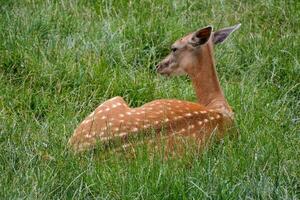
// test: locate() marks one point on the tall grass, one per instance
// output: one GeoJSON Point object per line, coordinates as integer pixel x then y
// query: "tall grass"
{"type": "Point", "coordinates": [60, 59]}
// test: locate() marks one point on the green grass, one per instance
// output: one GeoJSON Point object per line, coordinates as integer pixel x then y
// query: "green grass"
{"type": "Point", "coordinates": [61, 59]}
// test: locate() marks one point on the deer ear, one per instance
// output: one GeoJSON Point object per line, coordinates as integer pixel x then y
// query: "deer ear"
{"type": "Point", "coordinates": [201, 36]}
{"type": "Point", "coordinates": [221, 35]}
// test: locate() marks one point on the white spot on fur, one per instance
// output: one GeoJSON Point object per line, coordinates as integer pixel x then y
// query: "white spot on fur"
{"type": "Point", "coordinates": [122, 134]}
{"type": "Point", "coordinates": [191, 126]}
{"type": "Point", "coordinates": [203, 111]}
{"type": "Point", "coordinates": [103, 117]}
{"type": "Point", "coordinates": [92, 114]}
{"type": "Point", "coordinates": [200, 122]}
{"type": "Point", "coordinates": [121, 115]}
{"type": "Point", "coordinates": [188, 114]}
{"type": "Point", "coordinates": [147, 126]}
{"type": "Point", "coordinates": [114, 98]}
{"type": "Point", "coordinates": [134, 129]}
{"type": "Point", "coordinates": [205, 120]}
{"type": "Point", "coordinates": [86, 121]}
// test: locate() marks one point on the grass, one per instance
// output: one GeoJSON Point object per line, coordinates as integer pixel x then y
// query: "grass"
{"type": "Point", "coordinates": [60, 59]}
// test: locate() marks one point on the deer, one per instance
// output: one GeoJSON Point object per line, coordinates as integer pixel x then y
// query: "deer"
{"type": "Point", "coordinates": [191, 55]}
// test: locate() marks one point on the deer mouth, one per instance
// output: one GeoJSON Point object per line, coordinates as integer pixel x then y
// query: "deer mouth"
{"type": "Point", "coordinates": [161, 70]}
{"type": "Point", "coordinates": [164, 72]}
{"type": "Point", "coordinates": [166, 69]}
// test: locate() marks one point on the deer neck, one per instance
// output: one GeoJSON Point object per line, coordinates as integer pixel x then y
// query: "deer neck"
{"type": "Point", "coordinates": [205, 81]}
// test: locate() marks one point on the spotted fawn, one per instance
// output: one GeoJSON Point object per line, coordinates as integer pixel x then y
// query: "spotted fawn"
{"type": "Point", "coordinates": [191, 55]}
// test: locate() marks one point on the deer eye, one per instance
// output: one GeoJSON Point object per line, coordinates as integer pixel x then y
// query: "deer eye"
{"type": "Point", "coordinates": [174, 49]}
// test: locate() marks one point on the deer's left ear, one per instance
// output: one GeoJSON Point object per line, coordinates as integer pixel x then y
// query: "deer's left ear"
{"type": "Point", "coordinates": [201, 36]}
{"type": "Point", "coordinates": [221, 35]}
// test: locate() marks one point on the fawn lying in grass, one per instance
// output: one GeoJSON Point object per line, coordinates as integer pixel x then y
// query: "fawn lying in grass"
{"type": "Point", "coordinates": [191, 55]}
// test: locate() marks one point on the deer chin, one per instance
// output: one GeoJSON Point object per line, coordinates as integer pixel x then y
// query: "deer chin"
{"type": "Point", "coordinates": [166, 74]}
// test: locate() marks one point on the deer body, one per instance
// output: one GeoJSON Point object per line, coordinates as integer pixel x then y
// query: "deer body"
{"type": "Point", "coordinates": [114, 119]}
{"type": "Point", "coordinates": [193, 56]}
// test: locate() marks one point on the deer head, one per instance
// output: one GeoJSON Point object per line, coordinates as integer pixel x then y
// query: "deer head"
{"type": "Point", "coordinates": [187, 52]}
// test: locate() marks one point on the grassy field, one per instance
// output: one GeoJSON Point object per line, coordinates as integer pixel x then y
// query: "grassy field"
{"type": "Point", "coordinates": [60, 59]}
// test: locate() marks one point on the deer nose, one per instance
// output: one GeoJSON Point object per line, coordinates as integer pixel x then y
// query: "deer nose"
{"type": "Point", "coordinates": [158, 67]}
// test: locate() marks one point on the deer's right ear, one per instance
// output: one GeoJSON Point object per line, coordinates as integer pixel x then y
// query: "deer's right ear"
{"type": "Point", "coordinates": [221, 35]}
{"type": "Point", "coordinates": [201, 36]}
